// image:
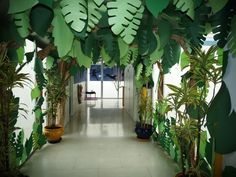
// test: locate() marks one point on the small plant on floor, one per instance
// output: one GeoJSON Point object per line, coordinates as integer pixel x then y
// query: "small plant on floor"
{"type": "Point", "coordinates": [144, 128]}
{"type": "Point", "coordinates": [55, 93]}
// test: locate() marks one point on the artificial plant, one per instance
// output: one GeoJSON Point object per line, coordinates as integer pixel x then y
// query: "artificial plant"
{"type": "Point", "coordinates": [10, 77]}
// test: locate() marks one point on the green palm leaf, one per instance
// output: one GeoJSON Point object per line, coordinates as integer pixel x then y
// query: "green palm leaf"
{"type": "Point", "coordinates": [22, 23]}
{"type": "Point", "coordinates": [139, 70]}
{"type": "Point", "coordinates": [156, 7]}
{"type": "Point", "coordinates": [232, 37]}
{"type": "Point", "coordinates": [125, 17]}
{"type": "Point", "coordinates": [75, 13]}
{"type": "Point", "coordinates": [186, 6]}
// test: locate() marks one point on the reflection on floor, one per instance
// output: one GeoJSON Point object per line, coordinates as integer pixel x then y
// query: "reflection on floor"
{"type": "Point", "coordinates": [100, 142]}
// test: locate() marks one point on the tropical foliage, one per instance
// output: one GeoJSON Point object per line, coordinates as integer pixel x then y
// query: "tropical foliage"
{"type": "Point", "coordinates": [122, 32]}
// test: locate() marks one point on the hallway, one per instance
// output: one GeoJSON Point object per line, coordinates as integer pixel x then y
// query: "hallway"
{"type": "Point", "coordinates": [100, 142]}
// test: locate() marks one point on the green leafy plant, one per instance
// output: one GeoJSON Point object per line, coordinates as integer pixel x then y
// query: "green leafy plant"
{"type": "Point", "coordinates": [10, 77]}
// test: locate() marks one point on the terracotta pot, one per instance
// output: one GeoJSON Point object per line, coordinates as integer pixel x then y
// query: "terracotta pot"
{"type": "Point", "coordinates": [53, 134]}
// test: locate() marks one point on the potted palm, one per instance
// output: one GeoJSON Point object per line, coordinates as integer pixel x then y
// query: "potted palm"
{"type": "Point", "coordinates": [56, 93]}
{"type": "Point", "coordinates": [144, 127]}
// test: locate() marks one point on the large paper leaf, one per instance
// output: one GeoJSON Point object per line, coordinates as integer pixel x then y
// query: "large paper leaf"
{"type": "Point", "coordinates": [20, 5]}
{"type": "Point", "coordinates": [186, 6]}
{"type": "Point", "coordinates": [158, 52]}
{"type": "Point", "coordinates": [232, 37]}
{"type": "Point", "coordinates": [40, 19]}
{"type": "Point", "coordinates": [75, 13]}
{"type": "Point", "coordinates": [124, 17]}
{"type": "Point", "coordinates": [60, 29]}
{"type": "Point", "coordinates": [22, 23]}
{"type": "Point", "coordinates": [35, 93]}
{"type": "Point", "coordinates": [95, 7]}
{"type": "Point", "coordinates": [171, 55]}
{"type": "Point", "coordinates": [221, 23]}
{"type": "Point", "coordinates": [123, 47]}
{"type": "Point", "coordinates": [164, 32]}
{"type": "Point", "coordinates": [217, 5]}
{"type": "Point", "coordinates": [156, 6]}
{"type": "Point", "coordinates": [76, 52]}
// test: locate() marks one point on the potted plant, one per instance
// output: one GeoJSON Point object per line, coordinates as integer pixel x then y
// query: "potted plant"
{"type": "Point", "coordinates": [144, 127]}
{"type": "Point", "coordinates": [56, 93]}
{"type": "Point", "coordinates": [189, 104]}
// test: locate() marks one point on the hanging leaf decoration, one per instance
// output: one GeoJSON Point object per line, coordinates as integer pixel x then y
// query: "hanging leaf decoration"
{"type": "Point", "coordinates": [186, 6]}
{"type": "Point", "coordinates": [22, 23]}
{"type": "Point", "coordinates": [60, 29]}
{"type": "Point", "coordinates": [125, 17]}
{"type": "Point", "coordinates": [221, 22]}
{"type": "Point", "coordinates": [217, 5]}
{"type": "Point", "coordinates": [158, 52]}
{"type": "Point", "coordinates": [75, 13]}
{"type": "Point", "coordinates": [77, 53]}
{"type": "Point", "coordinates": [95, 7]}
{"type": "Point", "coordinates": [156, 7]}
{"type": "Point", "coordinates": [232, 37]}
{"type": "Point", "coordinates": [171, 55]}
{"type": "Point", "coordinates": [20, 5]}
{"type": "Point", "coordinates": [139, 70]}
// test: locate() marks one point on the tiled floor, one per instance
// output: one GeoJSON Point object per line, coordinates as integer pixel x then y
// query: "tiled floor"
{"type": "Point", "coordinates": [100, 142]}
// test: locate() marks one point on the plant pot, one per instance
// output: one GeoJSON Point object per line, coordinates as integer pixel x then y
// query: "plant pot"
{"type": "Point", "coordinates": [145, 131]}
{"type": "Point", "coordinates": [53, 134]}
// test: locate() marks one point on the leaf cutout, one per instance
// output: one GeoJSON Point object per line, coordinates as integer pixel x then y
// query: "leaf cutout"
{"type": "Point", "coordinates": [125, 17]}
{"type": "Point", "coordinates": [16, 6]}
{"type": "Point", "coordinates": [232, 37]}
{"type": "Point", "coordinates": [123, 47]}
{"type": "Point", "coordinates": [158, 52]}
{"type": "Point", "coordinates": [75, 13]}
{"type": "Point", "coordinates": [125, 60]}
{"type": "Point", "coordinates": [139, 70]}
{"type": "Point", "coordinates": [221, 23]}
{"type": "Point", "coordinates": [217, 5]}
{"type": "Point", "coordinates": [171, 55]}
{"type": "Point", "coordinates": [22, 24]}
{"type": "Point", "coordinates": [156, 7]}
{"type": "Point", "coordinates": [76, 52]}
{"type": "Point", "coordinates": [94, 13]}
{"type": "Point", "coordinates": [185, 6]}
{"type": "Point", "coordinates": [60, 28]}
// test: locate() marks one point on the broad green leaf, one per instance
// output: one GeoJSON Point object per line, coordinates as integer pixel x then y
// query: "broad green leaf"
{"type": "Point", "coordinates": [184, 60]}
{"type": "Point", "coordinates": [217, 5]}
{"type": "Point", "coordinates": [185, 6]}
{"type": "Point", "coordinates": [45, 15]}
{"type": "Point", "coordinates": [203, 143]}
{"type": "Point", "coordinates": [232, 37]}
{"type": "Point", "coordinates": [22, 23]}
{"type": "Point", "coordinates": [20, 54]}
{"type": "Point", "coordinates": [106, 58]}
{"type": "Point", "coordinates": [38, 113]}
{"type": "Point", "coordinates": [75, 13]}
{"type": "Point", "coordinates": [158, 52]}
{"type": "Point", "coordinates": [164, 32]}
{"type": "Point", "coordinates": [49, 62]}
{"type": "Point", "coordinates": [60, 29]}
{"type": "Point", "coordinates": [156, 6]}
{"type": "Point", "coordinates": [20, 5]}
{"type": "Point", "coordinates": [29, 145]}
{"type": "Point", "coordinates": [125, 17]}
{"type": "Point", "coordinates": [35, 93]}
{"type": "Point", "coordinates": [123, 47]}
{"type": "Point", "coordinates": [76, 52]}
{"type": "Point", "coordinates": [94, 13]}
